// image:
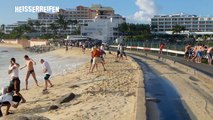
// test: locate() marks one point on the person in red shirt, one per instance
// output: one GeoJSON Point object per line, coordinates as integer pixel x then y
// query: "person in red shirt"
{"type": "Point", "coordinates": [162, 46]}
{"type": "Point", "coordinates": [96, 58]}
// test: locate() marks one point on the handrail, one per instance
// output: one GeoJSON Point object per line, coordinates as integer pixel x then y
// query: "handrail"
{"type": "Point", "coordinates": [152, 49]}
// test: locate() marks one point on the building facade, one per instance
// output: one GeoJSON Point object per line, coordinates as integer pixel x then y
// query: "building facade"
{"type": "Point", "coordinates": [83, 15]}
{"type": "Point", "coordinates": [192, 23]}
{"type": "Point", "coordinates": [103, 29]}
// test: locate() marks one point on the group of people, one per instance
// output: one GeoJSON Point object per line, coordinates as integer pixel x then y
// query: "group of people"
{"type": "Point", "coordinates": [11, 95]}
{"type": "Point", "coordinates": [120, 52]}
{"type": "Point", "coordinates": [97, 56]}
{"type": "Point", "coordinates": [196, 53]}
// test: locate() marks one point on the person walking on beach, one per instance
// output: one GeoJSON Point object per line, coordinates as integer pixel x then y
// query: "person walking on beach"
{"type": "Point", "coordinates": [30, 70]}
{"type": "Point", "coordinates": [83, 47]}
{"type": "Point", "coordinates": [47, 71]}
{"type": "Point", "coordinates": [15, 82]}
{"type": "Point", "coordinates": [209, 55]}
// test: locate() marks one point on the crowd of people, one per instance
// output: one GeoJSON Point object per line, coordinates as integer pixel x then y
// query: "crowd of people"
{"type": "Point", "coordinates": [10, 95]}
{"type": "Point", "coordinates": [197, 53]}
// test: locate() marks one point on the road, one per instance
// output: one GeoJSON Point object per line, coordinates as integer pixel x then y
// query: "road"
{"type": "Point", "coordinates": [163, 102]}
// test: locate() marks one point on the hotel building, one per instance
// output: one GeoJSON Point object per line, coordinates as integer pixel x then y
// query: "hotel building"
{"type": "Point", "coordinates": [82, 14]}
{"type": "Point", "coordinates": [192, 23]}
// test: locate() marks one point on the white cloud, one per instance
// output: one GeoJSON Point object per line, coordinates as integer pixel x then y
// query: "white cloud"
{"type": "Point", "coordinates": [147, 9]}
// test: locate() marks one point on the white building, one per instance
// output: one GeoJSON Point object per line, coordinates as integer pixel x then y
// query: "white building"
{"type": "Point", "coordinates": [105, 29]}
{"type": "Point", "coordinates": [82, 14]}
{"type": "Point", "coordinates": [192, 23]}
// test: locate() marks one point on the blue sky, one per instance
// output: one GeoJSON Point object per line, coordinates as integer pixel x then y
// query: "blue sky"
{"type": "Point", "coordinates": [138, 11]}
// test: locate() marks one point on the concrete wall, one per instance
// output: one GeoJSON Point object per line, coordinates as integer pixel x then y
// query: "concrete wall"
{"type": "Point", "coordinates": [10, 41]}
{"type": "Point", "coordinates": [36, 42]}
{"type": "Point", "coordinates": [26, 43]}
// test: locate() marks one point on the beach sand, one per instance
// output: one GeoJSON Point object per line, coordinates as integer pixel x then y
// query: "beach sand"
{"type": "Point", "coordinates": [102, 95]}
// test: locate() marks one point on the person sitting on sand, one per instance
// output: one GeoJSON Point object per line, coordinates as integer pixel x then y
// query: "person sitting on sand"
{"type": "Point", "coordinates": [15, 82]}
{"type": "Point", "coordinates": [30, 70]}
{"type": "Point", "coordinates": [7, 99]}
{"type": "Point", "coordinates": [47, 71]}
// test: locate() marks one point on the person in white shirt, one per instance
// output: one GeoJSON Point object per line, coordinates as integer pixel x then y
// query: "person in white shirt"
{"type": "Point", "coordinates": [7, 99]}
{"type": "Point", "coordinates": [47, 71]}
{"type": "Point", "coordinates": [14, 73]}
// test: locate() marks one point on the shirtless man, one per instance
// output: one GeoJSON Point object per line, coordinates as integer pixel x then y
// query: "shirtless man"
{"type": "Point", "coordinates": [209, 55]}
{"type": "Point", "coordinates": [30, 70]}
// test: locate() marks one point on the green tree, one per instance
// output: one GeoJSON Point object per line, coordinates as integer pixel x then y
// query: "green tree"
{"type": "Point", "coordinates": [178, 29]}
{"type": "Point", "coordinates": [54, 27]}
{"type": "Point", "coordinates": [123, 28]}
{"type": "Point", "coordinates": [62, 23]}
{"type": "Point", "coordinates": [37, 24]}
{"type": "Point", "coordinates": [73, 23]}
{"type": "Point", "coordinates": [2, 28]}
{"type": "Point", "coordinates": [31, 24]}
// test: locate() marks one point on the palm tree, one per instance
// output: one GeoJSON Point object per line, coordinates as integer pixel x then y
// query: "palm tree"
{"type": "Point", "coordinates": [43, 29]}
{"type": "Point", "coordinates": [123, 28]}
{"type": "Point", "coordinates": [54, 27]}
{"type": "Point", "coordinates": [72, 23]}
{"type": "Point", "coordinates": [63, 24]}
{"type": "Point", "coordinates": [2, 28]}
{"type": "Point", "coordinates": [31, 24]}
{"type": "Point", "coordinates": [37, 24]}
{"type": "Point", "coordinates": [176, 29]}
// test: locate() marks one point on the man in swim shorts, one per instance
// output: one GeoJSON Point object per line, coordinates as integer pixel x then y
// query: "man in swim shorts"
{"type": "Point", "coordinates": [30, 70]}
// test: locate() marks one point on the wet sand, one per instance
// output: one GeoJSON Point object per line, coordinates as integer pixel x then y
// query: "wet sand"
{"type": "Point", "coordinates": [101, 95]}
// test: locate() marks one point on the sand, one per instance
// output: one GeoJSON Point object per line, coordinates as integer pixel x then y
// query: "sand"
{"type": "Point", "coordinates": [102, 95]}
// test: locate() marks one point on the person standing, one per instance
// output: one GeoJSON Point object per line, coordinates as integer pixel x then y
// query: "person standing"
{"type": "Point", "coordinates": [30, 70]}
{"type": "Point", "coordinates": [47, 71]}
{"type": "Point", "coordinates": [209, 55]}
{"type": "Point", "coordinates": [161, 47]}
{"type": "Point", "coordinates": [15, 82]}
{"type": "Point", "coordinates": [187, 52]}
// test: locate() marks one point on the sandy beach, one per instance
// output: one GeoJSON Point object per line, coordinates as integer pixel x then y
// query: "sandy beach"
{"type": "Point", "coordinates": [102, 95]}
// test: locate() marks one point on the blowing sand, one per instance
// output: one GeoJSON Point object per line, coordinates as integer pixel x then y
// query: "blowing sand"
{"type": "Point", "coordinates": [102, 95]}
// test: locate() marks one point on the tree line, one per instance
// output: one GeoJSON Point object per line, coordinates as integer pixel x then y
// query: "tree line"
{"type": "Point", "coordinates": [23, 31]}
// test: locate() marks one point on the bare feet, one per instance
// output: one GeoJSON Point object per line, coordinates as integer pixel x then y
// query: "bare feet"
{"type": "Point", "coordinates": [23, 101]}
